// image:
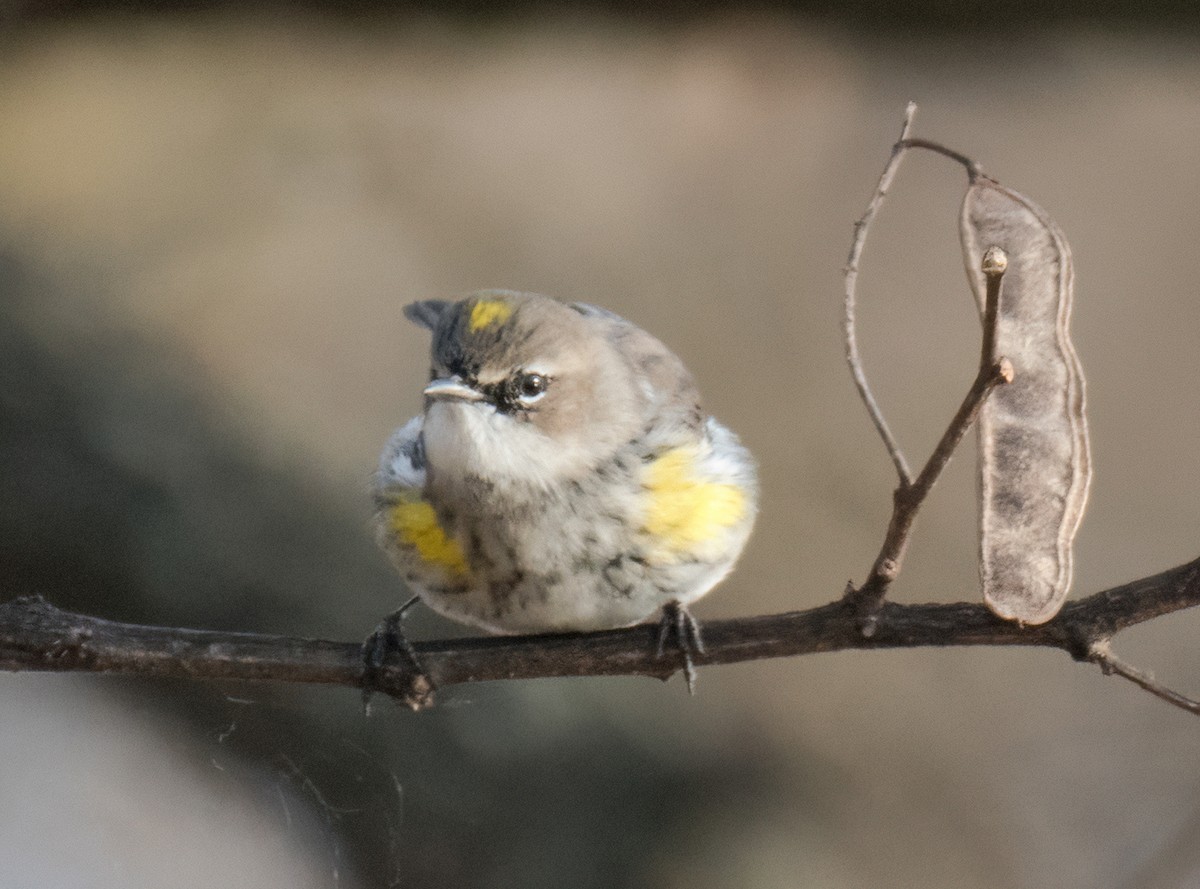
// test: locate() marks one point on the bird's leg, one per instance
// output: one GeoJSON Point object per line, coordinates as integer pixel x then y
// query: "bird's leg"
{"type": "Point", "coordinates": [678, 622]}
{"type": "Point", "coordinates": [386, 639]}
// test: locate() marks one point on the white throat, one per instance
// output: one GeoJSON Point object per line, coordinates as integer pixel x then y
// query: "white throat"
{"type": "Point", "coordinates": [475, 440]}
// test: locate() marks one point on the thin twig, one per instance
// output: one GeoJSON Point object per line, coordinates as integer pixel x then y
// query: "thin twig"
{"type": "Point", "coordinates": [851, 282]}
{"type": "Point", "coordinates": [1110, 663]}
{"type": "Point", "coordinates": [907, 500]}
{"type": "Point", "coordinates": [973, 168]}
{"type": "Point", "coordinates": [36, 636]}
{"type": "Point", "coordinates": [993, 370]}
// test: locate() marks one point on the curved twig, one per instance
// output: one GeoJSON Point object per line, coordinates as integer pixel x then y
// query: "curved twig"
{"type": "Point", "coordinates": [851, 285]}
{"type": "Point", "coordinates": [974, 171]}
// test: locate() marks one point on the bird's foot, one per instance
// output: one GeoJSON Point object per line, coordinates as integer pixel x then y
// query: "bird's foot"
{"type": "Point", "coordinates": [386, 640]}
{"type": "Point", "coordinates": [677, 622]}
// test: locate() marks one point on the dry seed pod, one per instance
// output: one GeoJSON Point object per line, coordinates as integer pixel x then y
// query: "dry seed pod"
{"type": "Point", "coordinates": [1034, 465]}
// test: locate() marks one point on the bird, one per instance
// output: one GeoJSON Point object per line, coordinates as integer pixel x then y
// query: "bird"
{"type": "Point", "coordinates": [562, 476]}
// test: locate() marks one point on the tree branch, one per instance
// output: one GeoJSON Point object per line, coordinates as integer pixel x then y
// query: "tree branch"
{"type": "Point", "coordinates": [36, 636]}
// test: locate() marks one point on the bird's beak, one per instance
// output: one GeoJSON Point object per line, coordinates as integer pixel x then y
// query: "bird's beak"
{"type": "Point", "coordinates": [452, 389]}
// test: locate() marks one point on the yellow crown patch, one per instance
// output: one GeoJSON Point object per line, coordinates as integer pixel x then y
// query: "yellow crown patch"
{"type": "Point", "coordinates": [487, 313]}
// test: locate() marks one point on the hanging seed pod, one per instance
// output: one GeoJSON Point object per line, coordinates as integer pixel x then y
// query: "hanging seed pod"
{"type": "Point", "coordinates": [1034, 464]}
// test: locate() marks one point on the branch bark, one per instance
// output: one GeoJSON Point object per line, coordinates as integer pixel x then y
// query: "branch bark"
{"type": "Point", "coordinates": [37, 636]}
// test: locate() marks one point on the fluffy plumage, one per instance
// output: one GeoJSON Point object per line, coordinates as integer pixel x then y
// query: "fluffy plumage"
{"type": "Point", "coordinates": [562, 475]}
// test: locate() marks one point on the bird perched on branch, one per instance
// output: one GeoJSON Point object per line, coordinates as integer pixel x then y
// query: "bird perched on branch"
{"type": "Point", "coordinates": [562, 476]}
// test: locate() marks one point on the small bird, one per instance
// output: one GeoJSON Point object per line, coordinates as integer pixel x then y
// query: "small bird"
{"type": "Point", "coordinates": [562, 476]}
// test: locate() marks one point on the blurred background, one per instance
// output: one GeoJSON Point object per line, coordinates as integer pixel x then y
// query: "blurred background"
{"type": "Point", "coordinates": [210, 218]}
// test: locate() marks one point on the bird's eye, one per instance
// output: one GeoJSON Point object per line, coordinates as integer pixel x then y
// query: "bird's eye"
{"type": "Point", "coordinates": [531, 386]}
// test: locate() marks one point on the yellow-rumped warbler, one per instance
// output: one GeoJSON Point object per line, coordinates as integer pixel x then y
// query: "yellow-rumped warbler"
{"type": "Point", "coordinates": [562, 475]}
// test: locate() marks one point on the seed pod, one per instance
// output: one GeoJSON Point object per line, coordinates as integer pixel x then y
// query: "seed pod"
{"type": "Point", "coordinates": [1034, 464]}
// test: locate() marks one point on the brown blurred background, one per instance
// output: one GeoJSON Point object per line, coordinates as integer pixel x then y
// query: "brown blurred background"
{"type": "Point", "coordinates": [209, 221]}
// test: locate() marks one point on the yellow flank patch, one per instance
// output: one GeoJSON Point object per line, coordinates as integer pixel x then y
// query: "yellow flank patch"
{"type": "Point", "coordinates": [416, 524]}
{"type": "Point", "coordinates": [687, 513]}
{"type": "Point", "coordinates": [487, 312]}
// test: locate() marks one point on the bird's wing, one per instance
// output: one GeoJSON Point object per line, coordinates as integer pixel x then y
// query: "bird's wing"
{"type": "Point", "coordinates": [407, 526]}
{"type": "Point", "coordinates": [402, 465]}
{"type": "Point", "coordinates": [671, 397]}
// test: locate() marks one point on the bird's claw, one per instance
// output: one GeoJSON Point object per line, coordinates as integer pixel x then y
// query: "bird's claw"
{"type": "Point", "coordinates": [388, 639]}
{"type": "Point", "coordinates": [677, 622]}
